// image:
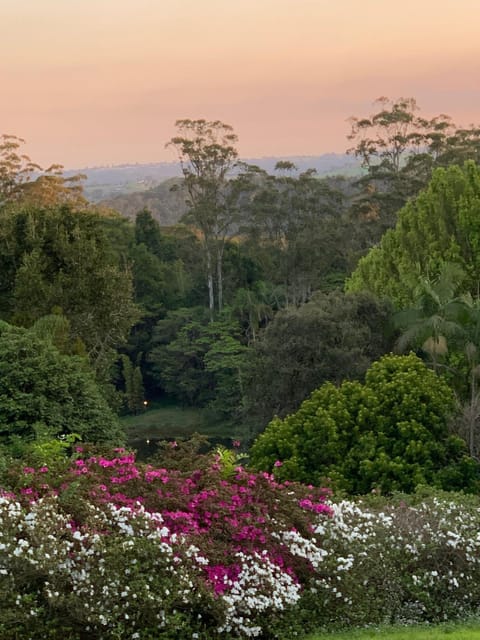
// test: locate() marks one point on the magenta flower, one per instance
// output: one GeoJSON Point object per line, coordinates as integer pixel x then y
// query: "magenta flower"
{"type": "Point", "coordinates": [278, 463]}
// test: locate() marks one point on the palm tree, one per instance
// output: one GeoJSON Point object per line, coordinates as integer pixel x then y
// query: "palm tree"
{"type": "Point", "coordinates": [442, 319]}
{"type": "Point", "coordinates": [469, 411]}
{"type": "Point", "coordinates": [437, 317]}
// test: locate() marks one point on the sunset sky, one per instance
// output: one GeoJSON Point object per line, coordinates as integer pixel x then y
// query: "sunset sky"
{"type": "Point", "coordinates": [95, 82]}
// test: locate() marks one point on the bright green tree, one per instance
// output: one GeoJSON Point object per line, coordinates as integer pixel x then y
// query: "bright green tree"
{"type": "Point", "coordinates": [43, 392]}
{"type": "Point", "coordinates": [391, 433]}
{"type": "Point", "coordinates": [441, 225]}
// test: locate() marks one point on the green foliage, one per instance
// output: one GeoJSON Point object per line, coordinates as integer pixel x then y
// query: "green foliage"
{"type": "Point", "coordinates": [147, 232]}
{"type": "Point", "coordinates": [158, 284]}
{"type": "Point", "coordinates": [441, 225]}
{"type": "Point", "coordinates": [134, 390]}
{"type": "Point", "coordinates": [388, 434]}
{"type": "Point", "coordinates": [332, 337]}
{"type": "Point", "coordinates": [49, 452]}
{"type": "Point", "coordinates": [295, 226]}
{"type": "Point", "coordinates": [55, 328]}
{"type": "Point", "coordinates": [44, 393]}
{"type": "Point", "coordinates": [434, 322]}
{"type": "Point", "coordinates": [228, 461]}
{"type": "Point", "coordinates": [200, 362]}
{"type": "Point", "coordinates": [60, 258]}
{"type": "Point", "coordinates": [253, 308]}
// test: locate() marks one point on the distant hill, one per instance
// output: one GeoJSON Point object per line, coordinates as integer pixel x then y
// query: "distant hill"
{"type": "Point", "coordinates": [107, 182]}
{"type": "Point", "coordinates": [104, 183]}
{"type": "Point", "coordinates": [327, 164]}
{"type": "Point", "coordinates": [166, 202]}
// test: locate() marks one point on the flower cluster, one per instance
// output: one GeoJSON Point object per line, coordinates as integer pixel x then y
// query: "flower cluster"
{"type": "Point", "coordinates": [410, 560]}
{"type": "Point", "coordinates": [111, 548]}
{"type": "Point", "coordinates": [114, 544]}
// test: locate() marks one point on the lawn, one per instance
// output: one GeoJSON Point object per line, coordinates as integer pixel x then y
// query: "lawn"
{"type": "Point", "coordinates": [166, 421]}
{"type": "Point", "coordinates": [470, 631]}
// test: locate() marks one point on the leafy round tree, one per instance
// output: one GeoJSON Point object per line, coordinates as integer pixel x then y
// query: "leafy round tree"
{"type": "Point", "coordinates": [390, 433]}
{"type": "Point", "coordinates": [441, 225]}
{"type": "Point", "coordinates": [45, 392]}
{"type": "Point", "coordinates": [334, 337]}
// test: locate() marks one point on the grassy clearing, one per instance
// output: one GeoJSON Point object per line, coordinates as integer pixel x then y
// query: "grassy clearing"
{"type": "Point", "coordinates": [168, 421]}
{"type": "Point", "coordinates": [470, 631]}
{"type": "Point", "coordinates": [164, 421]}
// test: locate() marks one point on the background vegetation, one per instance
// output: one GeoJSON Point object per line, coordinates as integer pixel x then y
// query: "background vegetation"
{"type": "Point", "coordinates": [328, 328]}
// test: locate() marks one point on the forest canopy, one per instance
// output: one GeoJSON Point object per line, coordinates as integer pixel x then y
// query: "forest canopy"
{"type": "Point", "coordinates": [271, 284]}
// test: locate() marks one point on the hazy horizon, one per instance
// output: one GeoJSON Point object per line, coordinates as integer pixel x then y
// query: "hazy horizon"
{"type": "Point", "coordinates": [98, 83]}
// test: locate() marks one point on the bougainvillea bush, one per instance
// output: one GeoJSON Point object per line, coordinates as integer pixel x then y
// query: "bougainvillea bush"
{"type": "Point", "coordinates": [110, 548]}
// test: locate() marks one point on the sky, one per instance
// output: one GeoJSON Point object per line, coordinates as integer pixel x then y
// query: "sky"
{"type": "Point", "coordinates": [99, 82]}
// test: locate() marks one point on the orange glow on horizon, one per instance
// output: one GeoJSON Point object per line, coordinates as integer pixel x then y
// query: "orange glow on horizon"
{"type": "Point", "coordinates": [90, 82]}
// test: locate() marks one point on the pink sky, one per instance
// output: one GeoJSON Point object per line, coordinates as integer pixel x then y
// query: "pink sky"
{"type": "Point", "coordinates": [94, 82]}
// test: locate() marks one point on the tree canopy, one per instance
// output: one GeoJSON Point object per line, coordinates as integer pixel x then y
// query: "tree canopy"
{"type": "Point", "coordinates": [207, 153]}
{"type": "Point", "coordinates": [58, 257]}
{"type": "Point", "coordinates": [391, 433]}
{"type": "Point", "coordinates": [22, 180]}
{"type": "Point", "coordinates": [45, 393]}
{"type": "Point", "coordinates": [441, 224]}
{"type": "Point", "coordinates": [332, 337]}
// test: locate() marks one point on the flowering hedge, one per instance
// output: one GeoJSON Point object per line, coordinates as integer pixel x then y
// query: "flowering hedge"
{"type": "Point", "coordinates": [107, 548]}
{"type": "Point", "coordinates": [111, 548]}
{"type": "Point", "coordinates": [409, 560]}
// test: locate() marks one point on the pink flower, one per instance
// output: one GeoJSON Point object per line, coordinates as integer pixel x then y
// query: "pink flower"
{"type": "Point", "coordinates": [103, 462]}
{"type": "Point", "coordinates": [43, 470]}
{"type": "Point", "coordinates": [278, 463]}
{"type": "Point", "coordinates": [28, 470]}
{"type": "Point", "coordinates": [236, 443]}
